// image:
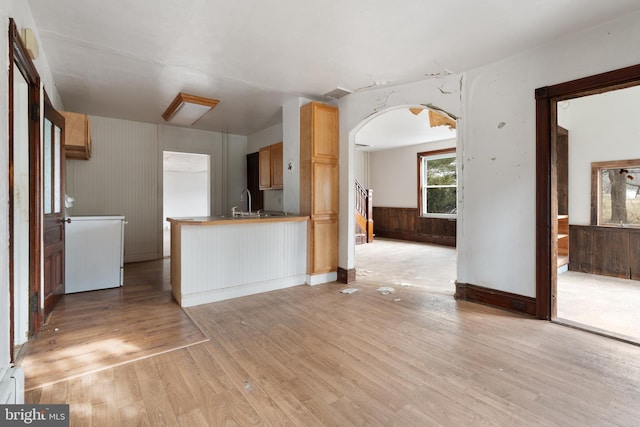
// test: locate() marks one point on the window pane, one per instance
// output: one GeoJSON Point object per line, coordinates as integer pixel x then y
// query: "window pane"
{"type": "Point", "coordinates": [620, 196]}
{"type": "Point", "coordinates": [47, 167]}
{"type": "Point", "coordinates": [57, 197]}
{"type": "Point", "coordinates": [441, 200]}
{"type": "Point", "coordinates": [441, 171]}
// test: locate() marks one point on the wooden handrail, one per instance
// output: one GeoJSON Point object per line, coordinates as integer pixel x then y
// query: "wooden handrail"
{"type": "Point", "coordinates": [364, 206]}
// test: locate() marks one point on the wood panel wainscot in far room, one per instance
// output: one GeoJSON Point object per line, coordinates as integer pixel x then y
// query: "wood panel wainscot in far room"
{"type": "Point", "coordinates": [607, 251]}
{"type": "Point", "coordinates": [406, 224]}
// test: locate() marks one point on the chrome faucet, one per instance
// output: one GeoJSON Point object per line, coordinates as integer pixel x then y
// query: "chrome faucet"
{"type": "Point", "coordinates": [249, 195]}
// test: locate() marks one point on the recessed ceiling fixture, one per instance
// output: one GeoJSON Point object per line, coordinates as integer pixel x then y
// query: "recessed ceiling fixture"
{"type": "Point", "coordinates": [337, 93]}
{"type": "Point", "coordinates": [187, 109]}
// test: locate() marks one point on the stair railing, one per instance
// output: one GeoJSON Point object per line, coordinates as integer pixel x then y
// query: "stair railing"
{"type": "Point", "coordinates": [364, 206]}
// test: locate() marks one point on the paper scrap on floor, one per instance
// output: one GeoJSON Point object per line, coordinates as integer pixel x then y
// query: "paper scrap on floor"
{"type": "Point", "coordinates": [348, 291]}
{"type": "Point", "coordinates": [386, 290]}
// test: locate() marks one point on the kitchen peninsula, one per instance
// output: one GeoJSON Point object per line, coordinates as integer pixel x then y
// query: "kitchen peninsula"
{"type": "Point", "coordinates": [218, 258]}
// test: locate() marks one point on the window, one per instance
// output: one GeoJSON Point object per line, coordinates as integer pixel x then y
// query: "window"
{"type": "Point", "coordinates": [615, 193]}
{"type": "Point", "coordinates": [437, 196]}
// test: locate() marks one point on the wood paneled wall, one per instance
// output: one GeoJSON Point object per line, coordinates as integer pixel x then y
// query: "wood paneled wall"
{"type": "Point", "coordinates": [607, 251]}
{"type": "Point", "coordinates": [405, 224]}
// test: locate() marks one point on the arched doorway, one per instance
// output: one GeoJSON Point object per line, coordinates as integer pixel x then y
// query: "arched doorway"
{"type": "Point", "coordinates": [394, 152]}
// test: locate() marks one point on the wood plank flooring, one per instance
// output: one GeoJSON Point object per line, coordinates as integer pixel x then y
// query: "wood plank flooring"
{"type": "Point", "coordinates": [95, 330]}
{"type": "Point", "coordinates": [308, 356]}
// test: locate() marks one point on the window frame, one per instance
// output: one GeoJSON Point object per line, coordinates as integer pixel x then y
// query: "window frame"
{"type": "Point", "coordinates": [434, 155]}
{"type": "Point", "coordinates": [596, 188]}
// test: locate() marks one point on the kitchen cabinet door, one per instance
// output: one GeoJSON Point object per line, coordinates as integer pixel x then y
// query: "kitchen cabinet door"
{"type": "Point", "coordinates": [77, 136]}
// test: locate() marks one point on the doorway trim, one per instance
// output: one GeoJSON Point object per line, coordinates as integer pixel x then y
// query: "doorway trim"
{"type": "Point", "coordinates": [546, 175]}
{"type": "Point", "coordinates": [18, 55]}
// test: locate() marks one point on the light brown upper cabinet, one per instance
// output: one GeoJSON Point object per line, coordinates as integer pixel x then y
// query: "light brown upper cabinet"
{"type": "Point", "coordinates": [319, 184]}
{"type": "Point", "coordinates": [77, 143]}
{"type": "Point", "coordinates": [271, 167]}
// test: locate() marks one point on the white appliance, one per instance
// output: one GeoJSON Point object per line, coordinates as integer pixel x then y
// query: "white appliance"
{"type": "Point", "coordinates": [94, 252]}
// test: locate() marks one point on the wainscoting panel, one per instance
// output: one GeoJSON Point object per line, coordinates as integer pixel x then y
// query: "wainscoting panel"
{"type": "Point", "coordinates": [405, 224]}
{"type": "Point", "coordinates": [607, 251]}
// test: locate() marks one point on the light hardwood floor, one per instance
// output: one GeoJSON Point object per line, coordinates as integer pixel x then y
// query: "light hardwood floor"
{"type": "Point", "coordinates": [90, 331]}
{"type": "Point", "coordinates": [307, 356]}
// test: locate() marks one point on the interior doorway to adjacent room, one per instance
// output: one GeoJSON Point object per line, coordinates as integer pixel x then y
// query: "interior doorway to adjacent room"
{"type": "Point", "coordinates": [598, 203]}
{"type": "Point", "coordinates": [186, 189]}
{"type": "Point", "coordinates": [601, 250]}
{"type": "Point", "coordinates": [405, 159]}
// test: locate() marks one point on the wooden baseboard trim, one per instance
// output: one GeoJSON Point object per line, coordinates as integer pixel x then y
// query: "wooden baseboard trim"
{"type": "Point", "coordinates": [495, 298]}
{"type": "Point", "coordinates": [346, 276]}
{"type": "Point", "coordinates": [422, 238]}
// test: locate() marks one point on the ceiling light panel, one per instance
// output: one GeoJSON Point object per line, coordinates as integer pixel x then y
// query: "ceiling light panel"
{"type": "Point", "coordinates": [187, 109]}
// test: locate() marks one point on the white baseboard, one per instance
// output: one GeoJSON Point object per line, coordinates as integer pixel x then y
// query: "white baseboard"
{"type": "Point", "coordinates": [190, 300]}
{"type": "Point", "coordinates": [318, 279]}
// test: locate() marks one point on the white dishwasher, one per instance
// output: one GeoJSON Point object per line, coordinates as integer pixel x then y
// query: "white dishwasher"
{"type": "Point", "coordinates": [94, 252]}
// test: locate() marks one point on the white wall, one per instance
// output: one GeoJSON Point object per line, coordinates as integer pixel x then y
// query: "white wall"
{"type": "Point", "coordinates": [185, 194]}
{"type": "Point", "coordinates": [601, 127]}
{"type": "Point", "coordinates": [291, 154]}
{"type": "Point", "coordinates": [496, 219]}
{"type": "Point", "coordinates": [19, 11]}
{"type": "Point", "coordinates": [394, 174]}
{"type": "Point", "coordinates": [268, 136]}
{"type": "Point", "coordinates": [496, 239]}
{"type": "Point", "coordinates": [362, 161]}
{"type": "Point", "coordinates": [235, 165]}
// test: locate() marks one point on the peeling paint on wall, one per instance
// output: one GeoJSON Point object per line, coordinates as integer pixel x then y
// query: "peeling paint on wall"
{"type": "Point", "coordinates": [440, 110]}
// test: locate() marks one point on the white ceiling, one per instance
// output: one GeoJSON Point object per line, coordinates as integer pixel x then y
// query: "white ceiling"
{"type": "Point", "coordinates": [400, 127]}
{"type": "Point", "coordinates": [129, 58]}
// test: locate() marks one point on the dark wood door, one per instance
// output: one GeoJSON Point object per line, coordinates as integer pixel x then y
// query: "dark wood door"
{"type": "Point", "coordinates": [253, 181]}
{"type": "Point", "coordinates": [53, 207]}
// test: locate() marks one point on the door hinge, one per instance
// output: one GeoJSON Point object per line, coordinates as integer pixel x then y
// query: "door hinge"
{"type": "Point", "coordinates": [34, 303]}
{"type": "Point", "coordinates": [35, 112]}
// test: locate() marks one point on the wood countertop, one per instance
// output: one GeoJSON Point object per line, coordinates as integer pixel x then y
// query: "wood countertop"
{"type": "Point", "coordinates": [228, 220]}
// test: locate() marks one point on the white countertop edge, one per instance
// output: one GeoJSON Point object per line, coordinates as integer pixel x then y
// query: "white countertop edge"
{"type": "Point", "coordinates": [96, 217]}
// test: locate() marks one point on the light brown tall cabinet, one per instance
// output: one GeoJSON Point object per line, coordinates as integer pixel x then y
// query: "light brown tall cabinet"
{"type": "Point", "coordinates": [319, 184]}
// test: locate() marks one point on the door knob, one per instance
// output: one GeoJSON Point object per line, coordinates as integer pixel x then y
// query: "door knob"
{"type": "Point", "coordinates": [67, 220]}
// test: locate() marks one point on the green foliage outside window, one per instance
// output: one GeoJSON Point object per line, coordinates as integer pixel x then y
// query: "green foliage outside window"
{"type": "Point", "coordinates": [439, 178]}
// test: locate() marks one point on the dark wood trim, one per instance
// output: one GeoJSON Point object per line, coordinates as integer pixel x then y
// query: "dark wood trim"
{"type": "Point", "coordinates": [596, 167]}
{"type": "Point", "coordinates": [546, 100]}
{"type": "Point", "coordinates": [495, 298]}
{"type": "Point", "coordinates": [53, 223]}
{"type": "Point", "coordinates": [11, 200]}
{"type": "Point", "coordinates": [543, 206]}
{"type": "Point", "coordinates": [346, 276]}
{"type": "Point", "coordinates": [598, 83]}
{"type": "Point", "coordinates": [18, 55]}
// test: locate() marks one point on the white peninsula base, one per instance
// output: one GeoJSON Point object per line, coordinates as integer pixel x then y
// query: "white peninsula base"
{"type": "Point", "coordinates": [214, 259]}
